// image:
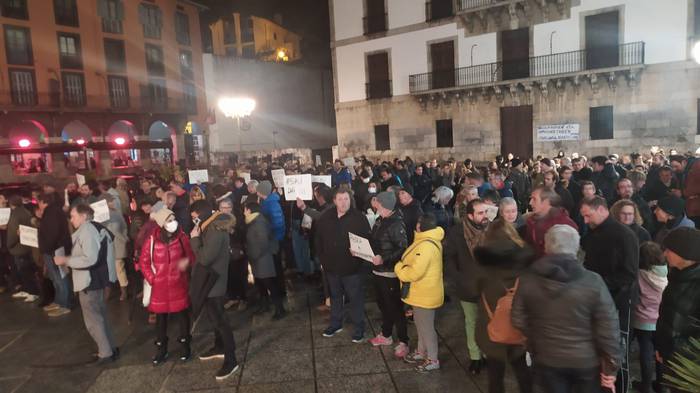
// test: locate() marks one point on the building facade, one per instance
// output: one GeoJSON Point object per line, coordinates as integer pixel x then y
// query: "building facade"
{"type": "Point", "coordinates": [478, 78]}
{"type": "Point", "coordinates": [253, 37]}
{"type": "Point", "coordinates": [81, 71]}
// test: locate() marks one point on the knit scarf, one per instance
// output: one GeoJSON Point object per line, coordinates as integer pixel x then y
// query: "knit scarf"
{"type": "Point", "coordinates": [472, 235]}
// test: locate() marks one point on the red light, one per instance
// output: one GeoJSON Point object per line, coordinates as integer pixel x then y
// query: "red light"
{"type": "Point", "coordinates": [24, 143]}
{"type": "Point", "coordinates": [120, 141]}
{"type": "Point", "coordinates": [80, 141]}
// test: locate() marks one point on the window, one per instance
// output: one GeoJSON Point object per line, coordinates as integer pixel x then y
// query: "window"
{"type": "Point", "coordinates": [16, 9]}
{"type": "Point", "coordinates": [443, 129]}
{"type": "Point", "coordinates": [118, 91]}
{"type": "Point", "coordinates": [232, 51]}
{"type": "Point", "coordinates": [115, 55]}
{"type": "Point", "coordinates": [73, 89]}
{"type": "Point", "coordinates": [22, 87]}
{"type": "Point", "coordinates": [229, 31]}
{"type": "Point", "coordinates": [601, 122]}
{"type": "Point", "coordinates": [112, 13]}
{"type": "Point", "coordinates": [154, 60]}
{"type": "Point", "coordinates": [66, 12]}
{"type": "Point", "coordinates": [69, 50]}
{"type": "Point", "coordinates": [247, 34]}
{"type": "Point", "coordinates": [182, 28]}
{"type": "Point", "coordinates": [381, 137]}
{"type": "Point", "coordinates": [189, 95]}
{"type": "Point", "coordinates": [375, 19]}
{"type": "Point", "coordinates": [186, 64]}
{"type": "Point", "coordinates": [438, 9]}
{"type": "Point", "coordinates": [154, 95]}
{"type": "Point", "coordinates": [18, 45]}
{"type": "Point", "coordinates": [378, 80]}
{"type": "Point", "coordinates": [249, 52]}
{"type": "Point", "coordinates": [152, 20]}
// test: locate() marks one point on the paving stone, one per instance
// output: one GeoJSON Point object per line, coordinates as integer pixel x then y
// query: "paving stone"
{"type": "Point", "coordinates": [298, 337]}
{"type": "Point", "coordinates": [64, 381]}
{"type": "Point", "coordinates": [349, 360]}
{"type": "Point", "coordinates": [438, 381]}
{"type": "Point", "coordinates": [305, 386]}
{"type": "Point", "coordinates": [131, 379]}
{"type": "Point", "coordinates": [374, 383]}
{"type": "Point", "coordinates": [199, 375]}
{"type": "Point", "coordinates": [277, 366]}
{"type": "Point", "coordinates": [9, 384]}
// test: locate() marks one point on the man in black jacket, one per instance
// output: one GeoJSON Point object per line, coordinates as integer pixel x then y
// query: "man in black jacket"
{"type": "Point", "coordinates": [422, 185]}
{"type": "Point", "coordinates": [522, 186]}
{"type": "Point", "coordinates": [604, 177]}
{"type": "Point", "coordinates": [411, 210]}
{"type": "Point", "coordinates": [612, 250]}
{"type": "Point", "coordinates": [343, 271]}
{"type": "Point", "coordinates": [54, 239]}
{"type": "Point", "coordinates": [389, 241]}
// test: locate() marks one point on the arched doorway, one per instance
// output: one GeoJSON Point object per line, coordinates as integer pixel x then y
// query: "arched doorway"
{"type": "Point", "coordinates": [194, 142]}
{"type": "Point", "coordinates": [121, 133]}
{"type": "Point", "coordinates": [159, 131]}
{"type": "Point", "coordinates": [28, 134]}
{"type": "Point", "coordinates": [76, 132]}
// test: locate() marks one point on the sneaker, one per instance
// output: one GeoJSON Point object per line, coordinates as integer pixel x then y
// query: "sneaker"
{"type": "Point", "coordinates": [331, 331]}
{"type": "Point", "coordinates": [60, 311]}
{"type": "Point", "coordinates": [231, 303]}
{"type": "Point", "coordinates": [381, 340]}
{"type": "Point", "coordinates": [358, 338]}
{"type": "Point", "coordinates": [31, 298]}
{"type": "Point", "coordinates": [401, 350]}
{"type": "Point", "coordinates": [415, 357]}
{"type": "Point", "coordinates": [475, 366]}
{"type": "Point", "coordinates": [51, 307]}
{"type": "Point", "coordinates": [428, 365]}
{"type": "Point", "coordinates": [20, 295]}
{"type": "Point", "coordinates": [226, 371]}
{"type": "Point", "coordinates": [212, 354]}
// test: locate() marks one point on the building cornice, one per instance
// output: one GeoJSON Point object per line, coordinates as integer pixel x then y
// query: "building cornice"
{"type": "Point", "coordinates": [393, 32]}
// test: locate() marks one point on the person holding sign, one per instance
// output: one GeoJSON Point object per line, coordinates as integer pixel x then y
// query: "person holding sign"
{"type": "Point", "coordinates": [389, 241]}
{"type": "Point", "coordinates": [21, 254]}
{"type": "Point", "coordinates": [343, 271]}
{"type": "Point", "coordinates": [54, 239]}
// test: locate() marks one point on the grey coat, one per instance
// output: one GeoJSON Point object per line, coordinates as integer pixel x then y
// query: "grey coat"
{"type": "Point", "coordinates": [212, 249]}
{"type": "Point", "coordinates": [117, 226]}
{"type": "Point", "coordinates": [86, 247]}
{"type": "Point", "coordinates": [260, 247]}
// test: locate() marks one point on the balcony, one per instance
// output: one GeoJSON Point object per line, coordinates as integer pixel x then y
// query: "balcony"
{"type": "Point", "coordinates": [373, 24]}
{"type": "Point", "coordinates": [579, 63]}
{"type": "Point", "coordinates": [487, 16]}
{"type": "Point", "coordinates": [378, 89]}
{"type": "Point", "coordinates": [58, 102]}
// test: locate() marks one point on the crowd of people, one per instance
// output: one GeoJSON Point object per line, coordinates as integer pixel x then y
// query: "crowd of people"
{"type": "Point", "coordinates": [558, 264]}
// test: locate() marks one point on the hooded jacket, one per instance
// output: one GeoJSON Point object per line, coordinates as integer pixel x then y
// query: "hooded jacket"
{"type": "Point", "coordinates": [212, 248]}
{"type": "Point", "coordinates": [260, 246]}
{"type": "Point", "coordinates": [389, 239]}
{"type": "Point", "coordinates": [651, 285]}
{"type": "Point", "coordinates": [567, 315]}
{"type": "Point", "coordinates": [271, 208]}
{"type": "Point", "coordinates": [679, 312]}
{"type": "Point", "coordinates": [421, 266]}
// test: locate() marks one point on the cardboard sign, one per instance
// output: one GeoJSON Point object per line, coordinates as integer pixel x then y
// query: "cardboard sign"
{"type": "Point", "coordinates": [361, 247]}
{"type": "Point", "coordinates": [318, 160]}
{"type": "Point", "coordinates": [80, 178]}
{"type": "Point", "coordinates": [245, 176]}
{"type": "Point", "coordinates": [349, 162]}
{"type": "Point", "coordinates": [101, 210]}
{"type": "Point", "coordinates": [5, 215]}
{"type": "Point", "coordinates": [325, 179]}
{"type": "Point", "coordinates": [28, 236]}
{"type": "Point", "coordinates": [298, 186]}
{"type": "Point", "coordinates": [278, 177]}
{"type": "Point", "coordinates": [491, 212]}
{"type": "Point", "coordinates": [198, 176]}
{"type": "Point", "coordinates": [558, 132]}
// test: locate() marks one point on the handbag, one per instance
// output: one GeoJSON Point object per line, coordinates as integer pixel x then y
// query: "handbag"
{"type": "Point", "coordinates": [147, 288]}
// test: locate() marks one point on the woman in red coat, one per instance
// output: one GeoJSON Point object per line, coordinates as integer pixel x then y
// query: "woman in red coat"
{"type": "Point", "coordinates": [165, 257]}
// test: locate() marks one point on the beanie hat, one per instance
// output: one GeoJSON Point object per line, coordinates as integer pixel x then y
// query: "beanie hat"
{"type": "Point", "coordinates": [515, 162]}
{"type": "Point", "coordinates": [264, 188]}
{"type": "Point", "coordinates": [672, 205]}
{"type": "Point", "coordinates": [685, 242]}
{"type": "Point", "coordinates": [161, 216]}
{"type": "Point", "coordinates": [387, 199]}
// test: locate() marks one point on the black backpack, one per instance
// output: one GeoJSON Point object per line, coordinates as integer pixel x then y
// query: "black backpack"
{"type": "Point", "coordinates": [99, 272]}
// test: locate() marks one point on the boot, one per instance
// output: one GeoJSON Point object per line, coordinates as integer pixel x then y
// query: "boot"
{"type": "Point", "coordinates": [186, 350]}
{"type": "Point", "coordinates": [280, 312]}
{"type": "Point", "coordinates": [263, 306]}
{"type": "Point", "coordinates": [161, 352]}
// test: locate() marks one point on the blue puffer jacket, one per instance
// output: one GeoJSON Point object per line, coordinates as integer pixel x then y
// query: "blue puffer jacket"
{"type": "Point", "coordinates": [338, 178]}
{"type": "Point", "coordinates": [272, 210]}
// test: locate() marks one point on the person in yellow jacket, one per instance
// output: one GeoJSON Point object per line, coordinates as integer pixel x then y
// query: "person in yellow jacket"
{"type": "Point", "coordinates": [420, 272]}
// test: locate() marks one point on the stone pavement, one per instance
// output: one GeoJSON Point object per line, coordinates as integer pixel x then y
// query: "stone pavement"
{"type": "Point", "coordinates": [39, 355]}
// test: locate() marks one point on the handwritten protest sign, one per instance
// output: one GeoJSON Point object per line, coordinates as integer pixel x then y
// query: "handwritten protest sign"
{"type": "Point", "coordinates": [361, 247]}
{"type": "Point", "coordinates": [325, 179]}
{"type": "Point", "coordinates": [298, 186]}
{"type": "Point", "coordinates": [4, 215]}
{"type": "Point", "coordinates": [28, 236]}
{"type": "Point", "coordinates": [101, 210]}
{"type": "Point", "coordinates": [80, 178]}
{"type": "Point", "coordinates": [245, 176]}
{"type": "Point", "coordinates": [198, 176]}
{"type": "Point", "coordinates": [278, 177]}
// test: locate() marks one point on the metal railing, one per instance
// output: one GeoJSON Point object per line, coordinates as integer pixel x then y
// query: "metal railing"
{"type": "Point", "coordinates": [438, 9]}
{"type": "Point", "coordinates": [28, 100]}
{"type": "Point", "coordinates": [378, 89]}
{"type": "Point", "coordinates": [463, 5]}
{"type": "Point", "coordinates": [534, 67]}
{"type": "Point", "coordinates": [374, 23]}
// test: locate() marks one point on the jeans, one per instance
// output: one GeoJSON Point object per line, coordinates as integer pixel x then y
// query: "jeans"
{"type": "Point", "coordinates": [183, 318]}
{"type": "Point", "coordinates": [427, 336]}
{"type": "Point", "coordinates": [497, 371]}
{"type": "Point", "coordinates": [568, 380]}
{"type": "Point", "coordinates": [647, 359]}
{"type": "Point", "coordinates": [237, 278]}
{"type": "Point", "coordinates": [223, 335]}
{"type": "Point", "coordinates": [27, 273]}
{"type": "Point", "coordinates": [352, 287]}
{"type": "Point", "coordinates": [388, 292]}
{"type": "Point", "coordinates": [61, 285]}
{"type": "Point", "coordinates": [470, 312]}
{"type": "Point", "coordinates": [302, 253]}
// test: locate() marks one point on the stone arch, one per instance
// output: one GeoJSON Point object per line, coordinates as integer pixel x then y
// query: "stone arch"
{"type": "Point", "coordinates": [76, 130]}
{"type": "Point", "coordinates": [31, 130]}
{"type": "Point", "coordinates": [28, 134]}
{"type": "Point", "coordinates": [160, 130]}
{"type": "Point", "coordinates": [121, 128]}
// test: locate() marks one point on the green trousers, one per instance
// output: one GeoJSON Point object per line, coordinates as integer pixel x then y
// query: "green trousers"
{"type": "Point", "coordinates": [470, 311]}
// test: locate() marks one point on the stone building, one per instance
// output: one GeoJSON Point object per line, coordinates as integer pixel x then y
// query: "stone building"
{"type": "Point", "coordinates": [478, 78]}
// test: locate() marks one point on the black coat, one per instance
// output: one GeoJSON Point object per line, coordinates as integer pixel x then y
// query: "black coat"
{"type": "Point", "coordinates": [332, 241]}
{"type": "Point", "coordinates": [460, 265]}
{"type": "Point", "coordinates": [522, 188]}
{"type": "Point", "coordinates": [679, 312]}
{"type": "Point", "coordinates": [612, 250]}
{"type": "Point", "coordinates": [567, 315]}
{"type": "Point", "coordinates": [642, 234]}
{"type": "Point", "coordinates": [389, 240]}
{"type": "Point", "coordinates": [422, 187]}
{"type": "Point", "coordinates": [53, 231]}
{"type": "Point", "coordinates": [411, 214]}
{"type": "Point", "coordinates": [606, 182]}
{"type": "Point", "coordinates": [583, 174]}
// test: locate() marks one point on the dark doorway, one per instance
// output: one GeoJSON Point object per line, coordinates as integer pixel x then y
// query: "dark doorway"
{"type": "Point", "coordinates": [375, 21]}
{"type": "Point", "coordinates": [442, 56]}
{"type": "Point", "coordinates": [603, 40]}
{"type": "Point", "coordinates": [516, 131]}
{"type": "Point", "coordinates": [515, 49]}
{"type": "Point", "coordinates": [439, 9]}
{"type": "Point", "coordinates": [378, 84]}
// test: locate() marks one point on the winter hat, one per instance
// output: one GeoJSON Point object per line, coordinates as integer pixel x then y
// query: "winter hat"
{"type": "Point", "coordinates": [515, 162]}
{"type": "Point", "coordinates": [685, 242]}
{"type": "Point", "coordinates": [672, 205]}
{"type": "Point", "coordinates": [387, 199]}
{"type": "Point", "coordinates": [161, 216]}
{"type": "Point", "coordinates": [264, 188]}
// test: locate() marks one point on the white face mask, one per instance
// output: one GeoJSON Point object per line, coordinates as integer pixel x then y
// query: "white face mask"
{"type": "Point", "coordinates": [372, 190]}
{"type": "Point", "coordinates": [171, 226]}
{"type": "Point", "coordinates": [366, 180]}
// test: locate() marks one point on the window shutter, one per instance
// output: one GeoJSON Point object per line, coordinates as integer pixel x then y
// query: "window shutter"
{"type": "Point", "coordinates": [102, 9]}
{"type": "Point", "coordinates": [120, 10]}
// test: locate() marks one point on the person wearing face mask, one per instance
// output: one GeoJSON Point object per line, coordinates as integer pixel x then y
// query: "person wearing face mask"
{"type": "Point", "coordinates": [360, 187]}
{"type": "Point", "coordinates": [165, 257]}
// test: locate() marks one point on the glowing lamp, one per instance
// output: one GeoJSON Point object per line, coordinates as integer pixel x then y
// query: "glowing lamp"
{"type": "Point", "coordinates": [696, 52]}
{"type": "Point", "coordinates": [237, 107]}
{"type": "Point", "coordinates": [80, 141]}
{"type": "Point", "coordinates": [120, 141]}
{"type": "Point", "coordinates": [24, 143]}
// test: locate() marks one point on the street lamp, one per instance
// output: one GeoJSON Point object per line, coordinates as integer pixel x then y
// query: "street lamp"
{"type": "Point", "coordinates": [237, 108]}
{"type": "Point", "coordinates": [23, 143]}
